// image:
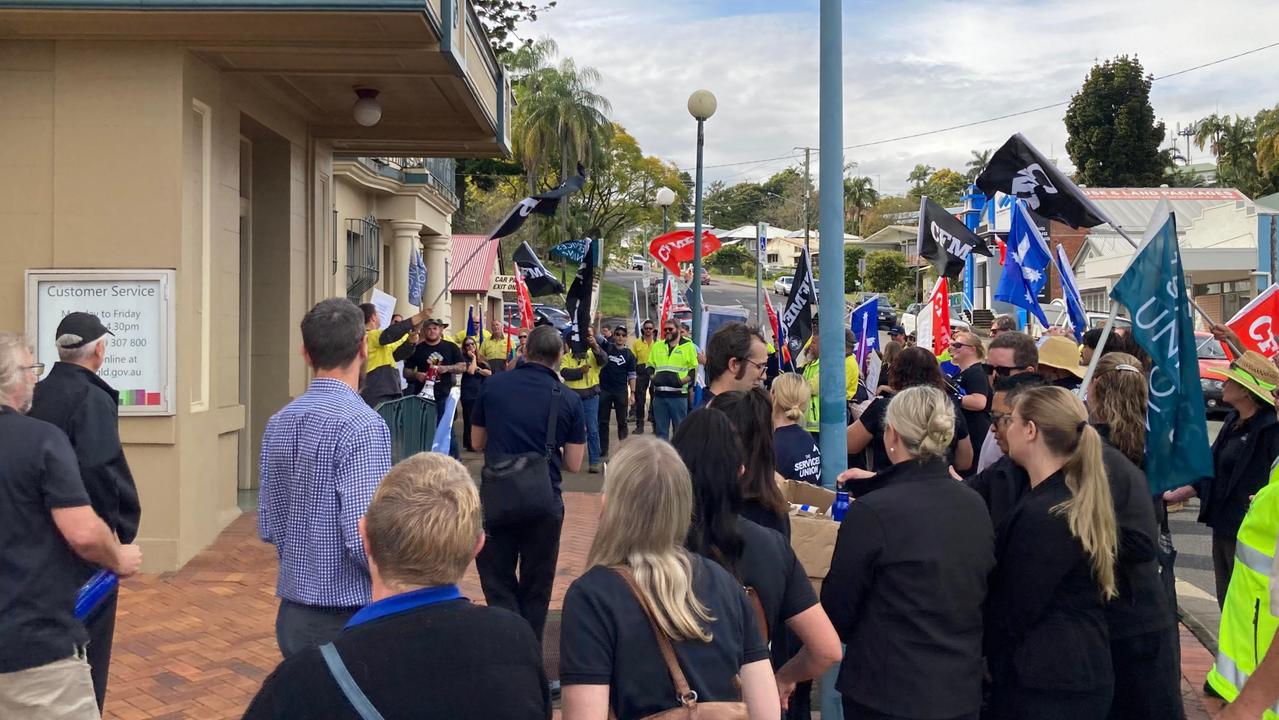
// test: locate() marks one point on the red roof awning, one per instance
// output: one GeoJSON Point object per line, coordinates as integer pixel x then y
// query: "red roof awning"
{"type": "Point", "coordinates": [476, 276]}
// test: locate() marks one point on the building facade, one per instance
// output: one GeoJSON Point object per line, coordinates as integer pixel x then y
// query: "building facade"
{"type": "Point", "coordinates": [221, 145]}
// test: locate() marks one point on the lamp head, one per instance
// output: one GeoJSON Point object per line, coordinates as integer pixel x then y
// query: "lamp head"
{"type": "Point", "coordinates": [665, 197]}
{"type": "Point", "coordinates": [701, 104]}
{"type": "Point", "coordinates": [367, 110]}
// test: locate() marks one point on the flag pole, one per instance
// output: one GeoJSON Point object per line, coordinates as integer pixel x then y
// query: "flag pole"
{"type": "Point", "coordinates": [1099, 350]}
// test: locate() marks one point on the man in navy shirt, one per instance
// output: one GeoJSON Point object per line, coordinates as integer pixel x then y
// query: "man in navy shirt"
{"type": "Point", "coordinates": [510, 418]}
{"type": "Point", "coordinates": [617, 385]}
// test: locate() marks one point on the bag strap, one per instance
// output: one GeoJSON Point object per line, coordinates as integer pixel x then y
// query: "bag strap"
{"type": "Point", "coordinates": [363, 706]}
{"type": "Point", "coordinates": [760, 617]}
{"type": "Point", "coordinates": [550, 420]}
{"type": "Point", "coordinates": [687, 696]}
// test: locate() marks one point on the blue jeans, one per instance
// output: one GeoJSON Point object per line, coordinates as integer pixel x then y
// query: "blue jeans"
{"type": "Point", "coordinates": [591, 408]}
{"type": "Point", "coordinates": [668, 413]}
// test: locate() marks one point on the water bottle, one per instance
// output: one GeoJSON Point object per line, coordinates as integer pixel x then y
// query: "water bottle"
{"type": "Point", "coordinates": [840, 507]}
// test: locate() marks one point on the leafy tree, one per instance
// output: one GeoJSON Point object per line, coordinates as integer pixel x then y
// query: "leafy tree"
{"type": "Point", "coordinates": [945, 187]}
{"type": "Point", "coordinates": [978, 163]}
{"type": "Point", "coordinates": [860, 196]}
{"type": "Point", "coordinates": [880, 216]}
{"type": "Point", "coordinates": [918, 177]}
{"type": "Point", "coordinates": [785, 207]}
{"type": "Point", "coordinates": [853, 257]}
{"type": "Point", "coordinates": [732, 260]}
{"type": "Point", "coordinates": [885, 270]}
{"type": "Point", "coordinates": [1113, 137]}
{"type": "Point", "coordinates": [734, 205]}
{"type": "Point", "coordinates": [1245, 150]}
{"type": "Point", "coordinates": [500, 17]}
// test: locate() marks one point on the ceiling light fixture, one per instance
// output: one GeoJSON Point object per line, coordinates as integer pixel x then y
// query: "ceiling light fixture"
{"type": "Point", "coordinates": [367, 110]}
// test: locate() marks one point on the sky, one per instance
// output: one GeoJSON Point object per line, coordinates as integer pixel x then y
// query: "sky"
{"type": "Point", "coordinates": [909, 66]}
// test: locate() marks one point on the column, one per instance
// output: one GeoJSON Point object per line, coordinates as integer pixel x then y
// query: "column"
{"type": "Point", "coordinates": [436, 255]}
{"type": "Point", "coordinates": [406, 235]}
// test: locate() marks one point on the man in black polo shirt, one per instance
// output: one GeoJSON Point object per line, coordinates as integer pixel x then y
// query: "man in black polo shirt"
{"type": "Point", "coordinates": [86, 408]}
{"type": "Point", "coordinates": [419, 649]}
{"type": "Point", "coordinates": [46, 520]}
{"type": "Point", "coordinates": [617, 385]}
{"type": "Point", "coordinates": [510, 418]}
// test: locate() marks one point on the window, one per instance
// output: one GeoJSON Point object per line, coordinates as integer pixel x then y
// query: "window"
{"type": "Point", "coordinates": [363, 253]}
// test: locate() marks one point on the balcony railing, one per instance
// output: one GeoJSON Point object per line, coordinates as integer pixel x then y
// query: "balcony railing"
{"type": "Point", "coordinates": [438, 173]}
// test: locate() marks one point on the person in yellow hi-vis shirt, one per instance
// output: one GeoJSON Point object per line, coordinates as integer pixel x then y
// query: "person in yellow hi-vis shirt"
{"type": "Point", "coordinates": [581, 372]}
{"type": "Point", "coordinates": [642, 346]}
{"type": "Point", "coordinates": [497, 347]}
{"type": "Point", "coordinates": [386, 348]}
{"type": "Point", "coordinates": [812, 372]}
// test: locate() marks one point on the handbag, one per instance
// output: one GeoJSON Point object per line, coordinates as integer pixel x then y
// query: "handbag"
{"type": "Point", "coordinates": [517, 489]}
{"type": "Point", "coordinates": [689, 708]}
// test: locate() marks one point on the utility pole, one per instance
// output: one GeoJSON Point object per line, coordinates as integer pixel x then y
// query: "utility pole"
{"type": "Point", "coordinates": [808, 183]}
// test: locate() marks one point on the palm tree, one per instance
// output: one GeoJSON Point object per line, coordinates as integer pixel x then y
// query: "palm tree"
{"type": "Point", "coordinates": [1268, 139]}
{"type": "Point", "coordinates": [919, 175]}
{"type": "Point", "coordinates": [978, 163]}
{"type": "Point", "coordinates": [860, 195]}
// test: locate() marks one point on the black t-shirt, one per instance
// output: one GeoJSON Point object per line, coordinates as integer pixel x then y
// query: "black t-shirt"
{"type": "Point", "coordinates": [974, 381]}
{"type": "Point", "coordinates": [471, 384]}
{"type": "Point", "coordinates": [450, 660]}
{"type": "Point", "coordinates": [768, 564]}
{"type": "Point", "coordinates": [873, 420]}
{"type": "Point", "coordinates": [758, 513]}
{"type": "Point", "coordinates": [442, 353]}
{"type": "Point", "coordinates": [618, 367]}
{"type": "Point", "coordinates": [38, 571]}
{"type": "Point", "coordinates": [607, 640]}
{"type": "Point", "coordinates": [798, 457]}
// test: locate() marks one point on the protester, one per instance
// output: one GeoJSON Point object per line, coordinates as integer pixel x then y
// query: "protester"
{"type": "Point", "coordinates": [967, 352]}
{"type": "Point", "coordinates": [1243, 453]}
{"type": "Point", "coordinates": [892, 350]}
{"type": "Point", "coordinates": [386, 348]}
{"type": "Point", "coordinates": [1059, 362]}
{"type": "Point", "coordinates": [617, 386]}
{"type": "Point", "coordinates": [81, 404]}
{"type": "Point", "coordinates": [1144, 637]}
{"type": "Point", "coordinates": [752, 415]}
{"type": "Point", "coordinates": [1002, 484]}
{"type": "Point", "coordinates": [674, 365]}
{"type": "Point", "coordinates": [49, 529]}
{"type": "Point", "coordinates": [812, 373]}
{"type": "Point", "coordinates": [642, 585]}
{"type": "Point", "coordinates": [477, 370]}
{"type": "Point", "coordinates": [798, 455]}
{"type": "Point", "coordinates": [323, 455]}
{"type": "Point", "coordinates": [1115, 342]}
{"type": "Point", "coordinates": [420, 643]}
{"type": "Point", "coordinates": [496, 350]}
{"type": "Point", "coordinates": [510, 418]}
{"type": "Point", "coordinates": [760, 558]}
{"type": "Point", "coordinates": [897, 334]}
{"type": "Point", "coordinates": [434, 351]}
{"type": "Point", "coordinates": [581, 373]}
{"type": "Point", "coordinates": [641, 347]}
{"type": "Point", "coordinates": [519, 349]}
{"type": "Point", "coordinates": [736, 359]}
{"type": "Point", "coordinates": [1002, 324]}
{"type": "Point", "coordinates": [914, 367]}
{"type": "Point", "coordinates": [908, 577]}
{"type": "Point", "coordinates": [1010, 353]}
{"type": "Point", "coordinates": [1046, 639]}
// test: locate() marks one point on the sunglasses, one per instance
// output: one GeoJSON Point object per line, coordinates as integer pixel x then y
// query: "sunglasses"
{"type": "Point", "coordinates": [1000, 419]}
{"type": "Point", "coordinates": [998, 370]}
{"type": "Point", "coordinates": [957, 345]}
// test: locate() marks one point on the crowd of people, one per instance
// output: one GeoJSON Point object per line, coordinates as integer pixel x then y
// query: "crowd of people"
{"type": "Point", "coordinates": [1003, 558]}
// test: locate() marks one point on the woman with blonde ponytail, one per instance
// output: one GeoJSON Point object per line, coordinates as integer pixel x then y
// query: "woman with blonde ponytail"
{"type": "Point", "coordinates": [1046, 630]}
{"type": "Point", "coordinates": [610, 657]}
{"type": "Point", "coordinates": [798, 456]}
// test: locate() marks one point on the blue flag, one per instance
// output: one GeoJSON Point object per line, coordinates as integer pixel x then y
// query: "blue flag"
{"type": "Point", "coordinates": [1025, 264]}
{"type": "Point", "coordinates": [572, 250]}
{"type": "Point", "coordinates": [865, 327]}
{"type": "Point", "coordinates": [1070, 290]}
{"type": "Point", "coordinates": [1153, 288]}
{"type": "Point", "coordinates": [417, 279]}
{"type": "Point", "coordinates": [470, 321]}
{"type": "Point", "coordinates": [635, 313]}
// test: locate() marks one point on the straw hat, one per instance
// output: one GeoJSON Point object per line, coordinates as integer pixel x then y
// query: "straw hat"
{"type": "Point", "coordinates": [1061, 353]}
{"type": "Point", "coordinates": [1253, 371]}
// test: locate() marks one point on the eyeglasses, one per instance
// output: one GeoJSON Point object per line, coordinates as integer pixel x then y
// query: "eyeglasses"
{"type": "Point", "coordinates": [1000, 419]}
{"type": "Point", "coordinates": [957, 345]}
{"type": "Point", "coordinates": [36, 369]}
{"type": "Point", "coordinates": [648, 329]}
{"type": "Point", "coordinates": [998, 370]}
{"type": "Point", "coordinates": [760, 366]}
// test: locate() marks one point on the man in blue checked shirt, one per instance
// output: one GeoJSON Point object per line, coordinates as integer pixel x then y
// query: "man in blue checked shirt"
{"type": "Point", "coordinates": [323, 455]}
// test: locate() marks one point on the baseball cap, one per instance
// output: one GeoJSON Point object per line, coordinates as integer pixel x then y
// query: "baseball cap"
{"type": "Point", "coordinates": [85, 326]}
{"type": "Point", "coordinates": [897, 330]}
{"type": "Point", "coordinates": [438, 321]}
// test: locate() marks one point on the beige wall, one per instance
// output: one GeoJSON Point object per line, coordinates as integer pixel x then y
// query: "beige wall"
{"type": "Point", "coordinates": [73, 115]}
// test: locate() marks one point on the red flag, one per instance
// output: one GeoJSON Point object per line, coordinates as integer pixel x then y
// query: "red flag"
{"type": "Point", "coordinates": [939, 311]}
{"type": "Point", "coordinates": [777, 334]}
{"type": "Point", "coordinates": [1255, 323]}
{"type": "Point", "coordinates": [1003, 250]}
{"type": "Point", "coordinates": [525, 301]}
{"type": "Point", "coordinates": [676, 247]}
{"type": "Point", "coordinates": [667, 301]}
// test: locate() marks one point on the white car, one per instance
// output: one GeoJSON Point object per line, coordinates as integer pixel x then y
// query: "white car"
{"type": "Point", "coordinates": [638, 262]}
{"type": "Point", "coordinates": [782, 285]}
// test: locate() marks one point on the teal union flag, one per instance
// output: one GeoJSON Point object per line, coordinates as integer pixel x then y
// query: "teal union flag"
{"type": "Point", "coordinates": [1153, 288]}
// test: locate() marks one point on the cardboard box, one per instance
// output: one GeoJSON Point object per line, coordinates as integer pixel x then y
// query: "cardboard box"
{"type": "Point", "coordinates": [812, 535]}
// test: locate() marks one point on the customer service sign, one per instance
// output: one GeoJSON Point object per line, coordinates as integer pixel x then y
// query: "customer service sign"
{"type": "Point", "coordinates": [136, 306]}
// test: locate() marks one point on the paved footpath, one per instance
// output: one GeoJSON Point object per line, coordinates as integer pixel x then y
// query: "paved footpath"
{"type": "Point", "coordinates": [197, 643]}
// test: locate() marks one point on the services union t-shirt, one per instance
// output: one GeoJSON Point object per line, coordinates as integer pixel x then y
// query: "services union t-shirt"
{"type": "Point", "coordinates": [798, 457]}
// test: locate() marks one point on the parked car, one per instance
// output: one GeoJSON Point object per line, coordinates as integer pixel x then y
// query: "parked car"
{"type": "Point", "coordinates": [1211, 356]}
{"type": "Point", "coordinates": [782, 285]}
{"type": "Point", "coordinates": [887, 315]}
{"type": "Point", "coordinates": [638, 262]}
{"type": "Point", "coordinates": [547, 313]}
{"type": "Point", "coordinates": [910, 318]}
{"type": "Point", "coordinates": [706, 276]}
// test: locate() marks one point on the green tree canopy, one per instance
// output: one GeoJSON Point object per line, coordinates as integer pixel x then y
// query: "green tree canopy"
{"type": "Point", "coordinates": [945, 187]}
{"type": "Point", "coordinates": [860, 196]}
{"type": "Point", "coordinates": [1113, 137]}
{"type": "Point", "coordinates": [1245, 148]}
{"type": "Point", "coordinates": [885, 271]}
{"type": "Point", "coordinates": [853, 256]}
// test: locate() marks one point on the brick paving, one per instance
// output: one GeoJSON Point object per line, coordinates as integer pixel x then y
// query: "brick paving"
{"type": "Point", "coordinates": [197, 643]}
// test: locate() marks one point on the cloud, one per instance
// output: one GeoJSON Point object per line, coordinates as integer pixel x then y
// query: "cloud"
{"type": "Point", "coordinates": [909, 67]}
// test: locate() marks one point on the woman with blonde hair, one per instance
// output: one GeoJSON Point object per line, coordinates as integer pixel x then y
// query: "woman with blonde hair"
{"type": "Point", "coordinates": [644, 590]}
{"type": "Point", "coordinates": [908, 577]}
{"type": "Point", "coordinates": [798, 456]}
{"type": "Point", "coordinates": [1144, 638]}
{"type": "Point", "coordinates": [1046, 636]}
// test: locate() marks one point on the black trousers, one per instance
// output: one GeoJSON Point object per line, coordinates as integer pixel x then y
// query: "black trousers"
{"type": "Point", "coordinates": [467, 407]}
{"type": "Point", "coordinates": [533, 549]}
{"type": "Point", "coordinates": [101, 628]}
{"type": "Point", "coordinates": [855, 711]}
{"type": "Point", "coordinates": [1223, 563]}
{"type": "Point", "coordinates": [1147, 676]}
{"type": "Point", "coordinates": [298, 626]}
{"type": "Point", "coordinates": [1012, 702]}
{"type": "Point", "coordinates": [616, 403]}
{"type": "Point", "coordinates": [642, 380]}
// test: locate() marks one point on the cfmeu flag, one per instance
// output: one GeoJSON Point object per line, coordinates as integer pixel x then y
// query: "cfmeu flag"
{"type": "Point", "coordinates": [932, 327]}
{"type": "Point", "coordinates": [537, 279]}
{"type": "Point", "coordinates": [1153, 288]}
{"type": "Point", "coordinates": [1256, 323]}
{"type": "Point", "coordinates": [944, 240]}
{"type": "Point", "coordinates": [779, 335]}
{"type": "Point", "coordinates": [1070, 290]}
{"type": "Point", "coordinates": [578, 300]}
{"type": "Point", "coordinates": [542, 203]}
{"type": "Point", "coordinates": [676, 247]}
{"type": "Point", "coordinates": [1026, 264]}
{"type": "Point", "coordinates": [1019, 170]}
{"type": "Point", "coordinates": [797, 317]}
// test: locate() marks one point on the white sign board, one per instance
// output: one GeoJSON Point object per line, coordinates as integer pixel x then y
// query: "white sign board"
{"type": "Point", "coordinates": [503, 283]}
{"type": "Point", "coordinates": [137, 306]}
{"type": "Point", "coordinates": [385, 305]}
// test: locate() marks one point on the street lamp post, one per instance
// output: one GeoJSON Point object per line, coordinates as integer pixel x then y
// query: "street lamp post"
{"type": "Point", "coordinates": [665, 197]}
{"type": "Point", "coordinates": [701, 105]}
